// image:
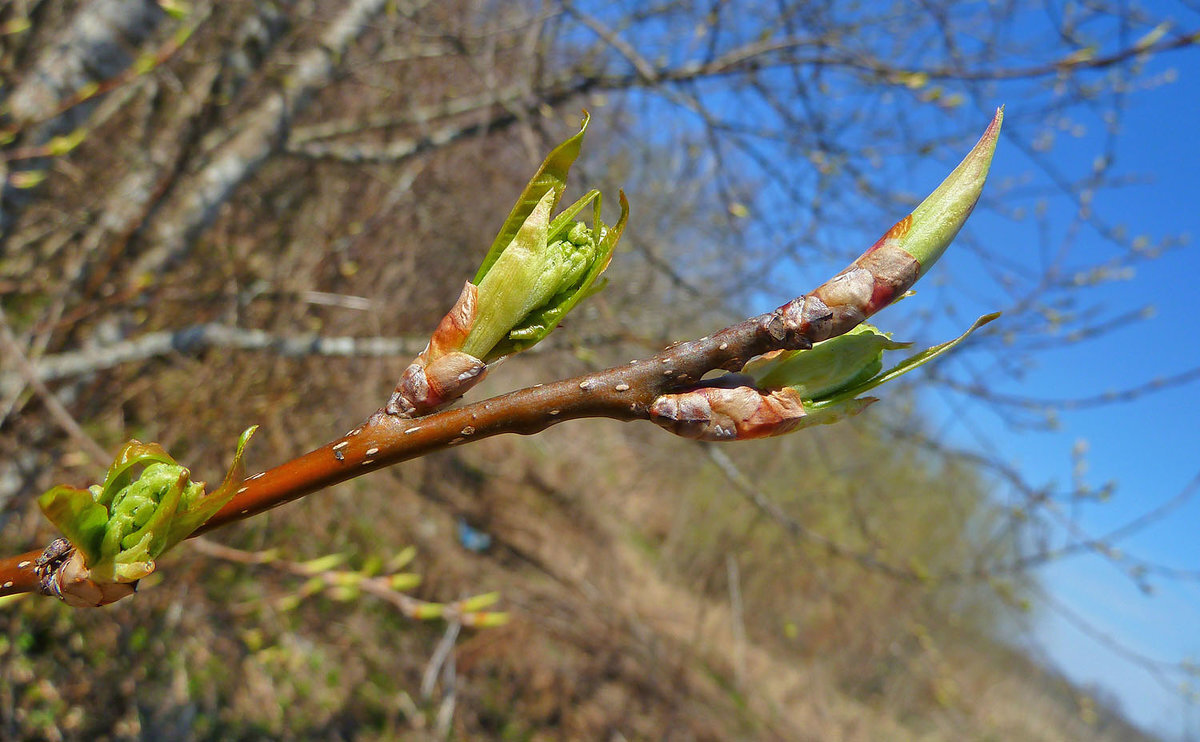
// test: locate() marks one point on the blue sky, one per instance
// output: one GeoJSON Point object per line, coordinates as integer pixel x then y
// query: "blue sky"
{"type": "Point", "coordinates": [1149, 447]}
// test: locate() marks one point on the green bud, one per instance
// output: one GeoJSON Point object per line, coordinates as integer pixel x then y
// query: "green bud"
{"type": "Point", "coordinates": [427, 611]}
{"type": "Point", "coordinates": [123, 525]}
{"type": "Point", "coordinates": [345, 579]}
{"type": "Point", "coordinates": [935, 222]}
{"type": "Point", "coordinates": [288, 603]}
{"type": "Point", "coordinates": [145, 63]}
{"type": "Point", "coordinates": [403, 581]}
{"type": "Point", "coordinates": [177, 9]}
{"type": "Point", "coordinates": [87, 90]}
{"type": "Point", "coordinates": [312, 586]}
{"type": "Point", "coordinates": [488, 620]}
{"type": "Point", "coordinates": [344, 593]}
{"type": "Point", "coordinates": [322, 563]}
{"type": "Point", "coordinates": [63, 145]}
{"type": "Point", "coordinates": [478, 602]}
{"type": "Point", "coordinates": [402, 559]}
{"type": "Point", "coordinates": [540, 267]}
{"type": "Point", "coordinates": [27, 178]}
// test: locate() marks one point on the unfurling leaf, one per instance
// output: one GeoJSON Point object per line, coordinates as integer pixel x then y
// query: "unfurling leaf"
{"type": "Point", "coordinates": [539, 267]}
{"type": "Point", "coordinates": [827, 367]}
{"type": "Point", "coordinates": [836, 371]}
{"type": "Point", "coordinates": [536, 270]}
{"type": "Point", "coordinates": [908, 364]}
{"type": "Point", "coordinates": [120, 527]}
{"type": "Point", "coordinates": [782, 392]}
{"type": "Point", "coordinates": [540, 276]}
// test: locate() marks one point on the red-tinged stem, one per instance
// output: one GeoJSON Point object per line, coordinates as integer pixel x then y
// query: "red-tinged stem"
{"type": "Point", "coordinates": [622, 393]}
{"type": "Point", "coordinates": [626, 392]}
{"type": "Point", "coordinates": [17, 574]}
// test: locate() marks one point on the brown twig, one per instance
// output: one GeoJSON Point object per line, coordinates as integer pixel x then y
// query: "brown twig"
{"type": "Point", "coordinates": [628, 392]}
{"type": "Point", "coordinates": [461, 613]}
{"type": "Point", "coordinates": [622, 393]}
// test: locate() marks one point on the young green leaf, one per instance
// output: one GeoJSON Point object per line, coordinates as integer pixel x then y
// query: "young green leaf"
{"type": "Point", "coordinates": [120, 527]}
{"type": "Point", "coordinates": [78, 517]}
{"type": "Point", "coordinates": [198, 507]}
{"type": "Point", "coordinates": [826, 368]}
{"type": "Point", "coordinates": [551, 178]}
{"type": "Point", "coordinates": [908, 364]}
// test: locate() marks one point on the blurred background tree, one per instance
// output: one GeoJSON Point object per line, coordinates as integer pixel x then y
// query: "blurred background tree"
{"type": "Point", "coordinates": [219, 214]}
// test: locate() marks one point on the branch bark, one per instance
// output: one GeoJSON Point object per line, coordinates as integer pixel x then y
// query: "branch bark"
{"type": "Point", "coordinates": [636, 390]}
{"type": "Point", "coordinates": [622, 393]}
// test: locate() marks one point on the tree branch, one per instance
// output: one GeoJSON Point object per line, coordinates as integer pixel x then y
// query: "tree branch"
{"type": "Point", "coordinates": [199, 337]}
{"type": "Point", "coordinates": [621, 393]}
{"type": "Point", "coordinates": [635, 390]}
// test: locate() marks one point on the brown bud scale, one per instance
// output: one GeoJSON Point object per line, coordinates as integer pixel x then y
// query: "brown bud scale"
{"type": "Point", "coordinates": [441, 373]}
{"type": "Point", "coordinates": [63, 575]}
{"type": "Point", "coordinates": [714, 413]}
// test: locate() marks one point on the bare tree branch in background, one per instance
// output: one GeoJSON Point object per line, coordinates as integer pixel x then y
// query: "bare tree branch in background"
{"type": "Point", "coordinates": [179, 186]}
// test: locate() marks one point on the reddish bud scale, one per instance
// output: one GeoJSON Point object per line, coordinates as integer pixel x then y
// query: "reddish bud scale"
{"type": "Point", "coordinates": [72, 582]}
{"type": "Point", "coordinates": [456, 325]}
{"type": "Point", "coordinates": [61, 573]}
{"type": "Point", "coordinates": [895, 271]}
{"type": "Point", "coordinates": [722, 414]}
{"type": "Point", "coordinates": [441, 374]}
{"type": "Point", "coordinates": [901, 256]}
{"type": "Point", "coordinates": [870, 283]}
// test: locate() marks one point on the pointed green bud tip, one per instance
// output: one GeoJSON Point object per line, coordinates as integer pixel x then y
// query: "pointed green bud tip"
{"type": "Point", "coordinates": [177, 9]}
{"type": "Point", "coordinates": [403, 581]}
{"type": "Point", "coordinates": [478, 603]}
{"type": "Point", "coordinates": [428, 611]}
{"type": "Point", "coordinates": [928, 231]}
{"type": "Point", "coordinates": [486, 620]}
{"type": "Point", "coordinates": [906, 251]}
{"type": "Point", "coordinates": [321, 564]}
{"type": "Point", "coordinates": [120, 527]}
